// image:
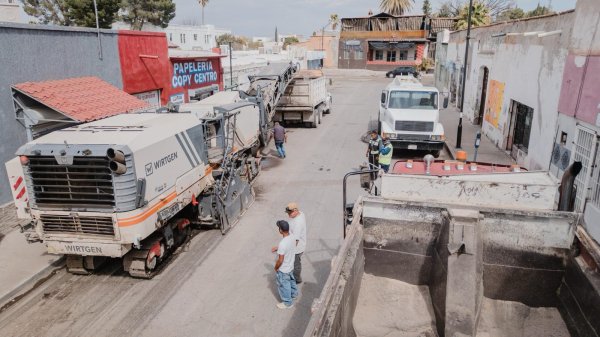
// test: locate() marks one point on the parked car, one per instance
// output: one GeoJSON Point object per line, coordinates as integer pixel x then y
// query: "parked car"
{"type": "Point", "coordinates": [403, 71]}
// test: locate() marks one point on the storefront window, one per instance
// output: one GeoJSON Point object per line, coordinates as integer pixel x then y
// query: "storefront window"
{"type": "Point", "coordinates": [379, 55]}
{"type": "Point", "coordinates": [403, 54]}
{"type": "Point", "coordinates": [358, 54]}
{"type": "Point", "coordinates": [391, 56]}
{"type": "Point", "coordinates": [346, 54]}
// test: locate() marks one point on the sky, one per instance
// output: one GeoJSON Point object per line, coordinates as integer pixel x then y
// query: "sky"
{"type": "Point", "coordinates": [259, 18]}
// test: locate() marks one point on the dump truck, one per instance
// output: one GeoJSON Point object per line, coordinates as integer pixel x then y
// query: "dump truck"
{"type": "Point", "coordinates": [305, 100]}
{"type": "Point", "coordinates": [462, 249]}
{"type": "Point", "coordinates": [131, 186]}
{"type": "Point", "coordinates": [409, 115]}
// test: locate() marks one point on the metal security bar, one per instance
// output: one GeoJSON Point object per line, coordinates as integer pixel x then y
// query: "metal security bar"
{"type": "Point", "coordinates": [585, 148]}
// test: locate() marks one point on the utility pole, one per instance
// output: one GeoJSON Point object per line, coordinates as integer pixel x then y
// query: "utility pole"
{"type": "Point", "coordinates": [230, 67]}
{"type": "Point", "coordinates": [464, 78]}
{"type": "Point", "coordinates": [98, 31]}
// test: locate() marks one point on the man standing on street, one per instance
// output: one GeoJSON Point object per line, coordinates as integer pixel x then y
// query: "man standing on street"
{"type": "Point", "coordinates": [280, 136]}
{"type": "Point", "coordinates": [297, 223]}
{"type": "Point", "coordinates": [385, 154]}
{"type": "Point", "coordinates": [375, 144]}
{"type": "Point", "coordinates": [284, 266]}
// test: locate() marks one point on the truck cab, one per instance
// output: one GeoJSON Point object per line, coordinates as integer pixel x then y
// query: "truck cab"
{"type": "Point", "coordinates": [409, 115]}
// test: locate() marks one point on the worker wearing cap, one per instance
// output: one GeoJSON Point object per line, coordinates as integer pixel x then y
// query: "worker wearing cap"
{"type": "Point", "coordinates": [385, 154]}
{"type": "Point", "coordinates": [375, 144]}
{"type": "Point", "coordinates": [284, 267]}
{"type": "Point", "coordinates": [297, 222]}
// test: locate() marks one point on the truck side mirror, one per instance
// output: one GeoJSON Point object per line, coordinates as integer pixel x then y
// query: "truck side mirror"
{"type": "Point", "coordinates": [383, 97]}
{"type": "Point", "coordinates": [446, 96]}
{"type": "Point", "coordinates": [446, 102]}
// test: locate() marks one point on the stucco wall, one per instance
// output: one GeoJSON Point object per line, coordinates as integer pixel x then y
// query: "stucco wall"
{"type": "Point", "coordinates": [529, 68]}
{"type": "Point", "coordinates": [38, 53]}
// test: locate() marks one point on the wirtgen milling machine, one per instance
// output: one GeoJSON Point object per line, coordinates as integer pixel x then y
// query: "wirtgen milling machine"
{"type": "Point", "coordinates": [132, 185]}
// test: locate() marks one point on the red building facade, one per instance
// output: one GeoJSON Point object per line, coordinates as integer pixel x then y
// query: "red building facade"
{"type": "Point", "coordinates": [157, 75]}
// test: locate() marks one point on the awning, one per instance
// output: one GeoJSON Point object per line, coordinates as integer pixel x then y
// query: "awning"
{"type": "Point", "coordinates": [382, 45]}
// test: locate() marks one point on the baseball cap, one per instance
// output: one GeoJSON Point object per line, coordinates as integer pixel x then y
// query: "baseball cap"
{"type": "Point", "coordinates": [291, 206]}
{"type": "Point", "coordinates": [283, 225]}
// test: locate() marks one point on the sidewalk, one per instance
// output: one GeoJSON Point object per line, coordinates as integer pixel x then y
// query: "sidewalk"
{"type": "Point", "coordinates": [488, 152]}
{"type": "Point", "coordinates": [22, 265]}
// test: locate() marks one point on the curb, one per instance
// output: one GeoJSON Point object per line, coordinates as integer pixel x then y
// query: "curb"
{"type": "Point", "coordinates": [22, 289]}
{"type": "Point", "coordinates": [449, 150]}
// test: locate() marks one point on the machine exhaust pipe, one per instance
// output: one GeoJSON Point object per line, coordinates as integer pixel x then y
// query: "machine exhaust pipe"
{"type": "Point", "coordinates": [567, 189]}
{"type": "Point", "coordinates": [116, 155]}
{"type": "Point", "coordinates": [117, 168]}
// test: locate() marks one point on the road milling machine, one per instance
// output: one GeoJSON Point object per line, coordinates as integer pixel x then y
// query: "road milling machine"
{"type": "Point", "coordinates": [133, 185]}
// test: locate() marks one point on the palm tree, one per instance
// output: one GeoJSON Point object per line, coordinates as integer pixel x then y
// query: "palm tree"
{"type": "Point", "coordinates": [333, 18]}
{"type": "Point", "coordinates": [396, 7]}
{"type": "Point", "coordinates": [480, 16]}
{"type": "Point", "coordinates": [203, 3]}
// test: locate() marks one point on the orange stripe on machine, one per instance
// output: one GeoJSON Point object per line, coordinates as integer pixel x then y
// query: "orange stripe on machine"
{"type": "Point", "coordinates": [134, 220]}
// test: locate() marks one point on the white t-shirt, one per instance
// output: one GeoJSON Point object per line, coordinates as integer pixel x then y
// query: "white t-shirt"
{"type": "Point", "coordinates": [286, 248]}
{"type": "Point", "coordinates": [298, 230]}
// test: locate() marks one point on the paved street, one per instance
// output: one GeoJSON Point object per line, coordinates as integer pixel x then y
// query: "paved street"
{"type": "Point", "coordinates": [224, 285]}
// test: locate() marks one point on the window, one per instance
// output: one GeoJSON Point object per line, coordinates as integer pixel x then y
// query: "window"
{"type": "Point", "coordinates": [424, 100]}
{"type": "Point", "coordinates": [379, 55]}
{"type": "Point", "coordinates": [346, 54]}
{"type": "Point", "coordinates": [170, 36]}
{"type": "Point", "coordinates": [182, 38]}
{"type": "Point", "coordinates": [358, 54]}
{"type": "Point", "coordinates": [391, 56]}
{"type": "Point", "coordinates": [195, 37]}
{"type": "Point", "coordinates": [403, 55]}
{"type": "Point", "coordinates": [206, 38]}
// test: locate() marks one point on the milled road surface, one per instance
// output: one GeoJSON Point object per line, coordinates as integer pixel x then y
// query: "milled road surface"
{"type": "Point", "coordinates": [224, 285]}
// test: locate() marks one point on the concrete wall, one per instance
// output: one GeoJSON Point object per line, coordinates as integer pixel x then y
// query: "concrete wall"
{"type": "Point", "coordinates": [38, 53]}
{"type": "Point", "coordinates": [523, 68]}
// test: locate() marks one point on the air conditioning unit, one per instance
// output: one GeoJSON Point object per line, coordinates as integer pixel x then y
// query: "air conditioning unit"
{"type": "Point", "coordinates": [561, 156]}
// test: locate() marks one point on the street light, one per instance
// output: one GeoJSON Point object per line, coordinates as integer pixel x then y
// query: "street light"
{"type": "Point", "coordinates": [464, 79]}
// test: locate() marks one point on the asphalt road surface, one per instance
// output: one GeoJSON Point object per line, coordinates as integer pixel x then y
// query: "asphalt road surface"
{"type": "Point", "coordinates": [225, 285]}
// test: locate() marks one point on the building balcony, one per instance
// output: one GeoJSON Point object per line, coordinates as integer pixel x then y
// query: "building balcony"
{"type": "Point", "coordinates": [395, 63]}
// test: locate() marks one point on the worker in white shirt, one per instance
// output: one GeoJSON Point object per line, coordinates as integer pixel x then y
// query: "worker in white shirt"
{"type": "Point", "coordinates": [297, 222]}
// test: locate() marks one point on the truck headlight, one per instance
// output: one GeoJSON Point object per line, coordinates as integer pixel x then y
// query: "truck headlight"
{"type": "Point", "coordinates": [389, 135]}
{"type": "Point", "coordinates": [439, 138]}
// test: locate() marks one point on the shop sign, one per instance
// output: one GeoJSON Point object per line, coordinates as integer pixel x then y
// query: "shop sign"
{"type": "Point", "coordinates": [150, 97]}
{"type": "Point", "coordinates": [177, 98]}
{"type": "Point", "coordinates": [193, 73]}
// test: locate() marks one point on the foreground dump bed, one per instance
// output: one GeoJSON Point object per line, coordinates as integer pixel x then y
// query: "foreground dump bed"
{"type": "Point", "coordinates": [423, 268]}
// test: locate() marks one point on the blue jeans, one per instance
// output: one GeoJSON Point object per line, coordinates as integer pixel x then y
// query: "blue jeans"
{"type": "Point", "coordinates": [286, 285]}
{"type": "Point", "coordinates": [385, 168]}
{"type": "Point", "coordinates": [280, 149]}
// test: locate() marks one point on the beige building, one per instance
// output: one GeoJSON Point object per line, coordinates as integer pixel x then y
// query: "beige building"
{"type": "Point", "coordinates": [10, 11]}
{"type": "Point", "coordinates": [327, 42]}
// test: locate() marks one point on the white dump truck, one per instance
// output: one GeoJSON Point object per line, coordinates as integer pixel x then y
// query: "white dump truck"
{"type": "Point", "coordinates": [409, 114]}
{"type": "Point", "coordinates": [305, 100]}
{"type": "Point", "coordinates": [462, 249]}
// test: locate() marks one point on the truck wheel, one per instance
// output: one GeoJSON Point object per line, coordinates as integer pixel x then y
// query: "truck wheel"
{"type": "Point", "coordinates": [315, 120]}
{"type": "Point", "coordinates": [320, 115]}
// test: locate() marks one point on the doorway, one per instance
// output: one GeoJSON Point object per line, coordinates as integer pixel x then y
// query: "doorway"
{"type": "Point", "coordinates": [483, 84]}
{"type": "Point", "coordinates": [521, 118]}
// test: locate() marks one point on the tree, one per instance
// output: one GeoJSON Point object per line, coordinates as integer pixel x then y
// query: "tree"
{"type": "Point", "coordinates": [289, 40]}
{"type": "Point", "coordinates": [334, 20]}
{"type": "Point", "coordinates": [48, 11]}
{"type": "Point", "coordinates": [138, 12]}
{"type": "Point", "coordinates": [495, 7]}
{"type": "Point", "coordinates": [445, 11]}
{"type": "Point", "coordinates": [203, 3]}
{"type": "Point", "coordinates": [427, 7]}
{"type": "Point", "coordinates": [81, 12]}
{"type": "Point", "coordinates": [396, 7]}
{"type": "Point", "coordinates": [480, 15]}
{"type": "Point", "coordinates": [539, 11]}
{"type": "Point", "coordinates": [237, 42]}
{"type": "Point", "coordinates": [511, 14]}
